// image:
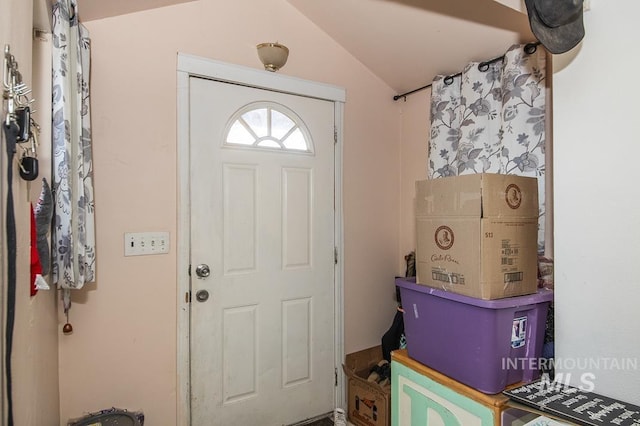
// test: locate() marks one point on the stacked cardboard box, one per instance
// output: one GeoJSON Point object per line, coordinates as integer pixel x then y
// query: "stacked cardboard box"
{"type": "Point", "coordinates": [475, 304]}
{"type": "Point", "coordinates": [368, 402]}
{"type": "Point", "coordinates": [477, 235]}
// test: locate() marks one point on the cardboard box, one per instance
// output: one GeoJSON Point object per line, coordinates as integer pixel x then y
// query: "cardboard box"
{"type": "Point", "coordinates": [477, 234]}
{"type": "Point", "coordinates": [369, 404]}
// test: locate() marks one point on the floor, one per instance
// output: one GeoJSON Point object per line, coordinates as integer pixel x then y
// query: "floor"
{"type": "Point", "coordinates": [327, 421]}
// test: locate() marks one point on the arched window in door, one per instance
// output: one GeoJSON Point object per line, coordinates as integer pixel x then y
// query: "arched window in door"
{"type": "Point", "coordinates": [270, 126]}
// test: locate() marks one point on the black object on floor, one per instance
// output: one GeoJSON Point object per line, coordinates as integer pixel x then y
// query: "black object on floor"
{"type": "Point", "coordinates": [324, 421]}
{"type": "Point", "coordinates": [111, 416]}
{"type": "Point", "coordinates": [327, 421]}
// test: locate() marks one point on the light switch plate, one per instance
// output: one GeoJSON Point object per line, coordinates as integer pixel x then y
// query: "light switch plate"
{"type": "Point", "coordinates": [144, 243]}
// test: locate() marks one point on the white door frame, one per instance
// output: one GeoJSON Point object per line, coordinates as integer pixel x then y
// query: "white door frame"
{"type": "Point", "coordinates": [188, 66]}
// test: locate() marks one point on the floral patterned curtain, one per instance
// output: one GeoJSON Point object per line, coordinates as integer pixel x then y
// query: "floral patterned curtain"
{"type": "Point", "coordinates": [491, 118]}
{"type": "Point", "coordinates": [73, 235]}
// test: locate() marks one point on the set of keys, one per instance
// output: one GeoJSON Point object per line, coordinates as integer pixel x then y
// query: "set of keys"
{"type": "Point", "coordinates": [28, 141]}
{"type": "Point", "coordinates": [18, 105]}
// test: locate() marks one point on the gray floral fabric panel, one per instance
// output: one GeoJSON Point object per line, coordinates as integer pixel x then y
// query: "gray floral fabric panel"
{"type": "Point", "coordinates": [491, 119]}
{"type": "Point", "coordinates": [73, 236]}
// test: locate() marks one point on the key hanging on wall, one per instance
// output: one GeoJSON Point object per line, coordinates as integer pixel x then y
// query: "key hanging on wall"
{"type": "Point", "coordinates": [19, 112]}
{"type": "Point", "coordinates": [29, 160]}
{"type": "Point", "coordinates": [23, 120]}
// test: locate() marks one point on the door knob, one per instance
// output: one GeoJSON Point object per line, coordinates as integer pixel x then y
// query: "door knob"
{"type": "Point", "coordinates": [203, 271]}
{"type": "Point", "coordinates": [202, 295]}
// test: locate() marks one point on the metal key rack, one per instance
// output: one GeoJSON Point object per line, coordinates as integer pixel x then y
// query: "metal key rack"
{"type": "Point", "coordinates": [19, 111]}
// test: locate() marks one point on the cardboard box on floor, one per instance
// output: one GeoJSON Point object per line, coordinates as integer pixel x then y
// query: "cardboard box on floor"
{"type": "Point", "coordinates": [369, 404]}
{"type": "Point", "coordinates": [477, 235]}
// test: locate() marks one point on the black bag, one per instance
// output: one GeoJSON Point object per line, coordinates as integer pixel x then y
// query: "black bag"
{"type": "Point", "coordinates": [394, 337]}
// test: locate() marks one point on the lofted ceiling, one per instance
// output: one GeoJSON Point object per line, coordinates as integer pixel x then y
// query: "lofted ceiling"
{"type": "Point", "coordinates": [407, 42]}
{"type": "Point", "coordinates": [90, 10]}
{"type": "Point", "coordinates": [404, 42]}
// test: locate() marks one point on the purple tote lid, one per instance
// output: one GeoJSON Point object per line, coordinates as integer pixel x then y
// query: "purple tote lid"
{"type": "Point", "coordinates": [543, 295]}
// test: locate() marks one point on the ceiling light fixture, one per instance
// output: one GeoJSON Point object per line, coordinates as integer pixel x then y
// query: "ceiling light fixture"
{"type": "Point", "coordinates": [273, 55]}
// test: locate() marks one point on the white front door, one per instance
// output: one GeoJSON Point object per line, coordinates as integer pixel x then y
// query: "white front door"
{"type": "Point", "coordinates": [262, 221]}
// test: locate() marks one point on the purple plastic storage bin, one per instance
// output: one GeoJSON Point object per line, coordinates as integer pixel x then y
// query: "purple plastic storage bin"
{"type": "Point", "coordinates": [485, 344]}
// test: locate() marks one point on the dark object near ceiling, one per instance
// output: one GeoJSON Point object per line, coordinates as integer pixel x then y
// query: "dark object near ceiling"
{"type": "Point", "coordinates": [557, 24]}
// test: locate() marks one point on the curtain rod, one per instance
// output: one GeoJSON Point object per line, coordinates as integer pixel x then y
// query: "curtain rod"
{"type": "Point", "coordinates": [529, 48]}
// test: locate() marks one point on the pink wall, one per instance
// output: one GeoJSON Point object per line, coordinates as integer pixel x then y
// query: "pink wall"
{"type": "Point", "coordinates": [35, 355]}
{"type": "Point", "coordinates": [415, 137]}
{"type": "Point", "coordinates": [123, 350]}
